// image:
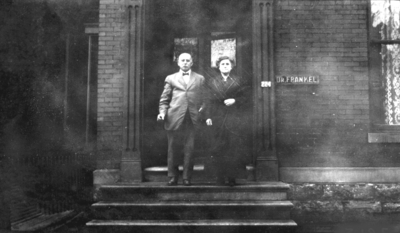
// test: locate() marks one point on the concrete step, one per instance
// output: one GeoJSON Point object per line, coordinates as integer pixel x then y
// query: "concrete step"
{"type": "Point", "coordinates": [155, 192]}
{"type": "Point", "coordinates": [183, 210]}
{"type": "Point", "coordinates": [194, 226]}
{"type": "Point", "coordinates": [200, 173]}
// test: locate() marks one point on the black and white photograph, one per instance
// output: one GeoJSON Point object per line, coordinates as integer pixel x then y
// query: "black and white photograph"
{"type": "Point", "coordinates": [200, 116]}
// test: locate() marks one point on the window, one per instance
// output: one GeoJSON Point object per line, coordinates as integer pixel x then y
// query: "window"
{"type": "Point", "coordinates": [187, 45]}
{"type": "Point", "coordinates": [385, 61]}
{"type": "Point", "coordinates": [222, 47]}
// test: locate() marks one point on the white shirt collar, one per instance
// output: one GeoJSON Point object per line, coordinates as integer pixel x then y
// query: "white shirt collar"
{"type": "Point", "coordinates": [224, 77]}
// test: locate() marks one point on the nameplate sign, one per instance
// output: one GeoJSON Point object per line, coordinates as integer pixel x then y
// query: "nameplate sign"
{"type": "Point", "coordinates": [297, 79]}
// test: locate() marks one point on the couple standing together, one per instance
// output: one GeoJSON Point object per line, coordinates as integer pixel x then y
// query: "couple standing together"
{"type": "Point", "coordinates": [186, 95]}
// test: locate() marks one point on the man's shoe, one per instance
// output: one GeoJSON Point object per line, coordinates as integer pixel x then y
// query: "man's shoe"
{"type": "Point", "coordinates": [187, 182]}
{"type": "Point", "coordinates": [173, 181]}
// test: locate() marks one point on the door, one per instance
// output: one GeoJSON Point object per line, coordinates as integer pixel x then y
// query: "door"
{"type": "Point", "coordinates": [201, 27]}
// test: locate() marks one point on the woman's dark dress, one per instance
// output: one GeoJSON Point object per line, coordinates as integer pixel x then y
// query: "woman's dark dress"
{"type": "Point", "coordinates": [228, 147]}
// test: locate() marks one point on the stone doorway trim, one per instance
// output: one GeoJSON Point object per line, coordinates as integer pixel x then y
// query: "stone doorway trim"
{"type": "Point", "coordinates": [264, 128]}
{"type": "Point", "coordinates": [131, 168]}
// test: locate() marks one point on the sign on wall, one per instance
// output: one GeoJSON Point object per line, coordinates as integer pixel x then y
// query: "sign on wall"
{"type": "Point", "coordinates": [297, 79]}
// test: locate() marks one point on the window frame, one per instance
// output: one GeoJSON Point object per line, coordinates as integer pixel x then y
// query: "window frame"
{"type": "Point", "coordinates": [380, 132]}
{"type": "Point", "coordinates": [376, 80]}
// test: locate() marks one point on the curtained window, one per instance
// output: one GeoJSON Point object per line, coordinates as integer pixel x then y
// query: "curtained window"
{"type": "Point", "coordinates": [385, 61]}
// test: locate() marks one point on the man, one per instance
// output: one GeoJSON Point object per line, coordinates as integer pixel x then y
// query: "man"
{"type": "Point", "coordinates": [180, 104]}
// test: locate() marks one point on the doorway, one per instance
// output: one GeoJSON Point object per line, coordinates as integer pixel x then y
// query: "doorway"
{"type": "Point", "coordinates": [205, 28]}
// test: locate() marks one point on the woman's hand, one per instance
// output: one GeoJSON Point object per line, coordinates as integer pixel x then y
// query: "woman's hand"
{"type": "Point", "coordinates": [209, 122]}
{"type": "Point", "coordinates": [229, 102]}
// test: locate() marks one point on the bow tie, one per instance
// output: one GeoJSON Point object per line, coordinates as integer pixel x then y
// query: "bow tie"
{"type": "Point", "coordinates": [183, 74]}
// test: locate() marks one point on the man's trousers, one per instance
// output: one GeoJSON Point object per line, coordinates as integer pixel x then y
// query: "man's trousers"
{"type": "Point", "coordinates": [182, 137]}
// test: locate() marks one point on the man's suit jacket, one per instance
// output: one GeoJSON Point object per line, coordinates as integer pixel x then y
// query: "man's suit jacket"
{"type": "Point", "coordinates": [179, 97]}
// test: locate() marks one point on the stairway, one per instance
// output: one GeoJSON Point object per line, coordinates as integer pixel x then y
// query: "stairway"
{"type": "Point", "coordinates": [202, 207]}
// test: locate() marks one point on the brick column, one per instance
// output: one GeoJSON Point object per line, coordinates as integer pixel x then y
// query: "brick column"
{"type": "Point", "coordinates": [110, 85]}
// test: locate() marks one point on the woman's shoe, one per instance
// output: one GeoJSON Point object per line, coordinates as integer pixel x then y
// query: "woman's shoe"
{"type": "Point", "coordinates": [173, 181]}
{"type": "Point", "coordinates": [231, 181]}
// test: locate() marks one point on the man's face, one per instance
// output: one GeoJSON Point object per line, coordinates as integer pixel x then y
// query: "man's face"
{"type": "Point", "coordinates": [185, 62]}
{"type": "Point", "coordinates": [225, 66]}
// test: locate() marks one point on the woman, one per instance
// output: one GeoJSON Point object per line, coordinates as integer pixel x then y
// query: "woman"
{"type": "Point", "coordinates": [226, 99]}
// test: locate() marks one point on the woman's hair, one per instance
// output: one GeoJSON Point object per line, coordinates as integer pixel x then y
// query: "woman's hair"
{"type": "Point", "coordinates": [225, 58]}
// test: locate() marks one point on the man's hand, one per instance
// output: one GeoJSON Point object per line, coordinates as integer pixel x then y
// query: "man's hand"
{"type": "Point", "coordinates": [229, 102]}
{"type": "Point", "coordinates": [209, 122]}
{"type": "Point", "coordinates": [160, 117]}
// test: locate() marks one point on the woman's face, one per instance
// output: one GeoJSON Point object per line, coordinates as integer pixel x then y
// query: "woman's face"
{"type": "Point", "coordinates": [225, 66]}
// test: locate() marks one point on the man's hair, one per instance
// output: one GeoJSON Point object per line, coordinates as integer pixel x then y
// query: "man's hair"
{"type": "Point", "coordinates": [225, 58]}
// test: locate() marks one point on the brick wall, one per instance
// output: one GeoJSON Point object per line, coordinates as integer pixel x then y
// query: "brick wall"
{"type": "Point", "coordinates": [325, 124]}
{"type": "Point", "coordinates": [317, 125]}
{"type": "Point", "coordinates": [110, 82]}
{"type": "Point", "coordinates": [110, 78]}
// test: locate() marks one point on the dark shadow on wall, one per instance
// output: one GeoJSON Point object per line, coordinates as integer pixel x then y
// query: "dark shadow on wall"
{"type": "Point", "coordinates": [35, 162]}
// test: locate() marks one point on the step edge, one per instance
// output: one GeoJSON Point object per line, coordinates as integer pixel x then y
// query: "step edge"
{"type": "Point", "coordinates": [195, 203]}
{"type": "Point", "coordinates": [199, 185]}
{"type": "Point", "coordinates": [154, 223]}
{"type": "Point", "coordinates": [208, 188]}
